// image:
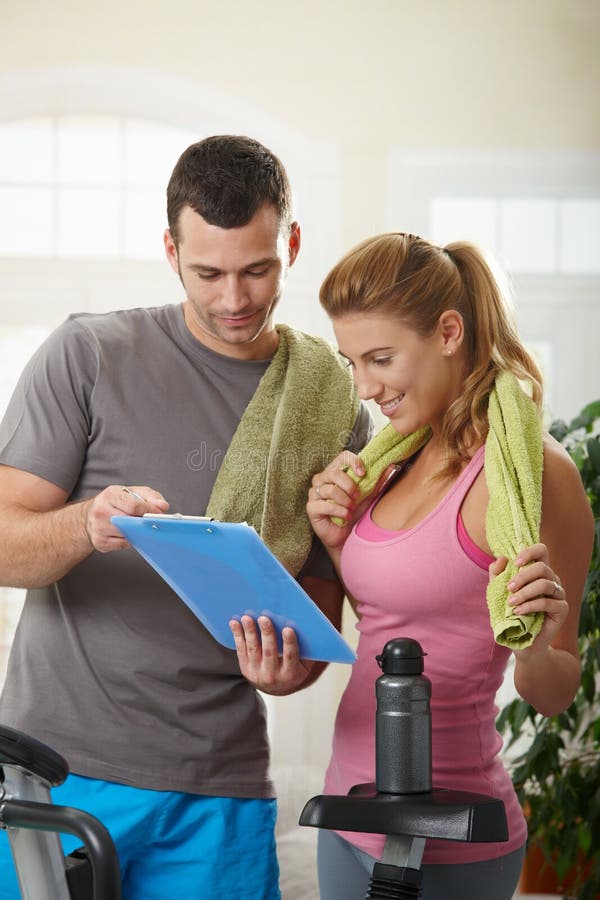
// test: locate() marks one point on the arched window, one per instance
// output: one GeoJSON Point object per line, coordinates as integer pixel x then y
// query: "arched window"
{"type": "Point", "coordinates": [85, 187]}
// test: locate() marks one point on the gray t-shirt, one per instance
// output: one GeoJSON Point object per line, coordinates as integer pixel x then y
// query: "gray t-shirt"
{"type": "Point", "coordinates": [108, 666]}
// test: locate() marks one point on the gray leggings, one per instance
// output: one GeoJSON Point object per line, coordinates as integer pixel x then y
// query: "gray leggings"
{"type": "Point", "coordinates": [345, 871]}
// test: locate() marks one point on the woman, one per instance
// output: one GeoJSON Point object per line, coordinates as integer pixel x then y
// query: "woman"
{"type": "Point", "coordinates": [426, 331]}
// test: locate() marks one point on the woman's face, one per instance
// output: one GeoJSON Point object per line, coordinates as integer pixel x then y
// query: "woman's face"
{"type": "Point", "coordinates": [413, 379]}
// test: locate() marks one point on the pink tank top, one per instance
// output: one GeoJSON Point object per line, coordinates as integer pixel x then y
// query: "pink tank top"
{"type": "Point", "coordinates": [420, 583]}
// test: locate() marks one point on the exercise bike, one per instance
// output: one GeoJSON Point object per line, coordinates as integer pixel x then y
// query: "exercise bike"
{"type": "Point", "coordinates": [28, 769]}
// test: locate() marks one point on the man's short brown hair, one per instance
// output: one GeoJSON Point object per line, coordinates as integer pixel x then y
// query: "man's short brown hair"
{"type": "Point", "coordinates": [226, 179]}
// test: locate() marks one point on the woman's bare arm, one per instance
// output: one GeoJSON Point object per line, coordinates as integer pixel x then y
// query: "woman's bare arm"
{"type": "Point", "coordinates": [547, 674]}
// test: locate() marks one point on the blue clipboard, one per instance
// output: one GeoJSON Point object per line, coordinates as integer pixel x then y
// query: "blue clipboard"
{"type": "Point", "coordinates": [222, 571]}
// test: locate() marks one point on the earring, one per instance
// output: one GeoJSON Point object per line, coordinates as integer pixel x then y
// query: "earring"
{"type": "Point", "coordinates": [447, 352]}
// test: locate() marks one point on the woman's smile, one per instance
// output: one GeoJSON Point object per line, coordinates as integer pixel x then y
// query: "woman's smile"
{"type": "Point", "coordinates": [389, 406]}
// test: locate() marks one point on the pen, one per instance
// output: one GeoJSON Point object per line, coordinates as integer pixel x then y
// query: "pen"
{"type": "Point", "coordinates": [133, 494]}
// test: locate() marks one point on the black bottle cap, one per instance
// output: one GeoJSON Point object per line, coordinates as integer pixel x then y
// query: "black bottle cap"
{"type": "Point", "coordinates": [401, 656]}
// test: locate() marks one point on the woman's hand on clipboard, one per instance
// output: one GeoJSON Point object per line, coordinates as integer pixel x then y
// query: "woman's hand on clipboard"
{"type": "Point", "coordinates": [259, 657]}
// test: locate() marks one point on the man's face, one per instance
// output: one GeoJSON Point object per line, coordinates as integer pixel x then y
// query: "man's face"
{"type": "Point", "coordinates": [233, 279]}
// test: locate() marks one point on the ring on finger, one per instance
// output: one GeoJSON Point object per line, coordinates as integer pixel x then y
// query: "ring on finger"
{"type": "Point", "coordinates": [557, 587]}
{"type": "Point", "coordinates": [318, 490]}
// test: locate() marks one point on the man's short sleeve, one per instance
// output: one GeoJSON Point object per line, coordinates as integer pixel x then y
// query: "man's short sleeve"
{"type": "Point", "coordinates": [46, 426]}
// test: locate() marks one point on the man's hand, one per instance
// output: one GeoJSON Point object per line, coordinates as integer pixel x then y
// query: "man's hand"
{"type": "Point", "coordinates": [45, 534]}
{"type": "Point", "coordinates": [117, 500]}
{"type": "Point", "coordinates": [259, 657]}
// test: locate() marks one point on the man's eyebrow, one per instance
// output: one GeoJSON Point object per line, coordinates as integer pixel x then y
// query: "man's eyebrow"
{"type": "Point", "coordinates": [255, 264]}
{"type": "Point", "coordinates": [199, 267]}
{"type": "Point", "coordinates": [266, 260]}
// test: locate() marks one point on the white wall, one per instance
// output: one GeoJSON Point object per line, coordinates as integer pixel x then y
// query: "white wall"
{"type": "Point", "coordinates": [445, 73]}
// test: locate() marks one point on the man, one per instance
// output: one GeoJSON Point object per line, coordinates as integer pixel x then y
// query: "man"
{"type": "Point", "coordinates": [192, 407]}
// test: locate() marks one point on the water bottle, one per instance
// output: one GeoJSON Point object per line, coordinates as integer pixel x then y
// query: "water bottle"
{"type": "Point", "coordinates": [403, 720]}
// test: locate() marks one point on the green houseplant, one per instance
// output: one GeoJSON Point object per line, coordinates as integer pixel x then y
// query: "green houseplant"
{"type": "Point", "coordinates": [557, 777]}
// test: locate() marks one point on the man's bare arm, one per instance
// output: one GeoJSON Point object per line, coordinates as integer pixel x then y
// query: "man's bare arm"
{"type": "Point", "coordinates": [44, 535]}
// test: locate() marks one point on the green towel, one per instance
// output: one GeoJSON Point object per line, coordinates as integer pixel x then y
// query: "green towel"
{"type": "Point", "coordinates": [513, 470]}
{"type": "Point", "coordinates": [299, 418]}
{"type": "Point", "coordinates": [386, 448]}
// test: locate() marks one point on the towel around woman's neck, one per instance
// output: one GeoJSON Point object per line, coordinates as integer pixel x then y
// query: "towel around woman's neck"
{"type": "Point", "coordinates": [300, 417]}
{"type": "Point", "coordinates": [513, 470]}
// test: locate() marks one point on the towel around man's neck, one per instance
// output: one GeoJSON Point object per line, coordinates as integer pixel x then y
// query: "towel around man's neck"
{"type": "Point", "coordinates": [300, 417]}
{"type": "Point", "coordinates": [513, 470]}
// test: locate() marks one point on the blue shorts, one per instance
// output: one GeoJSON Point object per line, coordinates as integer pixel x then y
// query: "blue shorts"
{"type": "Point", "coordinates": [173, 844]}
